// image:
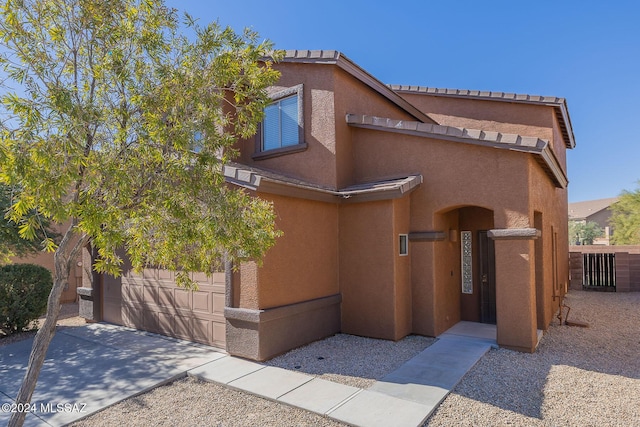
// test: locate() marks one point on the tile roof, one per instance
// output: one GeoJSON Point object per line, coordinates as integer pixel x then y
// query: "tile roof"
{"type": "Point", "coordinates": [502, 96]}
{"type": "Point", "coordinates": [270, 182]}
{"type": "Point", "coordinates": [559, 104]}
{"type": "Point", "coordinates": [334, 57]}
{"type": "Point", "coordinates": [583, 210]}
{"type": "Point", "coordinates": [537, 146]}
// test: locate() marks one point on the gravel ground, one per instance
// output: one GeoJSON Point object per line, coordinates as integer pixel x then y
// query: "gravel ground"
{"type": "Point", "coordinates": [351, 360]}
{"type": "Point", "coordinates": [577, 377]}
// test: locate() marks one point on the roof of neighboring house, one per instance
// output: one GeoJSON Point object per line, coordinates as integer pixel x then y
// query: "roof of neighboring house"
{"type": "Point", "coordinates": [559, 104]}
{"type": "Point", "coordinates": [539, 147]}
{"type": "Point", "coordinates": [334, 57]}
{"type": "Point", "coordinates": [273, 183]}
{"type": "Point", "coordinates": [583, 210]}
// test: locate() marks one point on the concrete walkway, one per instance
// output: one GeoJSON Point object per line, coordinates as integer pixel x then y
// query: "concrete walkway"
{"type": "Point", "coordinates": [91, 367]}
{"type": "Point", "coordinates": [95, 366]}
{"type": "Point", "coordinates": [405, 397]}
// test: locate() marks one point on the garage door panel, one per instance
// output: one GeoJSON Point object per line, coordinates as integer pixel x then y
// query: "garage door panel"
{"type": "Point", "coordinates": [219, 334]}
{"type": "Point", "coordinates": [201, 278]}
{"type": "Point", "coordinates": [202, 302]}
{"type": "Point", "coordinates": [182, 298]}
{"type": "Point", "coordinates": [165, 275]}
{"type": "Point", "coordinates": [133, 292]}
{"type": "Point", "coordinates": [165, 296]}
{"type": "Point", "coordinates": [183, 327]}
{"type": "Point", "coordinates": [133, 315]}
{"type": "Point", "coordinates": [150, 274]}
{"type": "Point", "coordinates": [150, 321]}
{"type": "Point", "coordinates": [152, 301]}
{"type": "Point", "coordinates": [201, 331]}
{"type": "Point", "coordinates": [218, 303]}
{"type": "Point", "coordinates": [151, 295]}
{"type": "Point", "coordinates": [165, 324]}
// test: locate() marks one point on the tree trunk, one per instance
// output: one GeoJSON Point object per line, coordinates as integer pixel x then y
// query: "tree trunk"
{"type": "Point", "coordinates": [63, 258]}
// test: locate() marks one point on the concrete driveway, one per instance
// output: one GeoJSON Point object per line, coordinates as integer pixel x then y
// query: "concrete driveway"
{"type": "Point", "coordinates": [91, 367]}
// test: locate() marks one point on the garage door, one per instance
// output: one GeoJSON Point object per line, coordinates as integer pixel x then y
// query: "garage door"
{"type": "Point", "coordinates": [152, 302]}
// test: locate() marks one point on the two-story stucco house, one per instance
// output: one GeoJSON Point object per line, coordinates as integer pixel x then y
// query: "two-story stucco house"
{"type": "Point", "coordinates": [404, 210]}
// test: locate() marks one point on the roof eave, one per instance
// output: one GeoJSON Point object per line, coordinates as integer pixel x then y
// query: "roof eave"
{"type": "Point", "coordinates": [340, 60]}
{"type": "Point", "coordinates": [252, 180]}
{"type": "Point", "coordinates": [559, 104]}
{"type": "Point", "coordinates": [540, 148]}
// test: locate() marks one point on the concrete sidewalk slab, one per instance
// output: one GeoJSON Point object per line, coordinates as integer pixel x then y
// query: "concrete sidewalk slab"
{"type": "Point", "coordinates": [372, 409]}
{"type": "Point", "coordinates": [318, 395]}
{"type": "Point", "coordinates": [430, 376]}
{"type": "Point", "coordinates": [91, 367]}
{"type": "Point", "coordinates": [225, 370]}
{"type": "Point", "coordinates": [472, 330]}
{"type": "Point", "coordinates": [271, 382]}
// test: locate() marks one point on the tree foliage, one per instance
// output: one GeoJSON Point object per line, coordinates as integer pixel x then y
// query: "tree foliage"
{"type": "Point", "coordinates": [23, 296]}
{"type": "Point", "coordinates": [625, 219]}
{"type": "Point", "coordinates": [116, 123]}
{"type": "Point", "coordinates": [121, 124]}
{"type": "Point", "coordinates": [582, 233]}
{"type": "Point", "coordinates": [14, 240]}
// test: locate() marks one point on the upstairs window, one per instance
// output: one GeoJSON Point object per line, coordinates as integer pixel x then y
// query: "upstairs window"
{"type": "Point", "coordinates": [281, 127]}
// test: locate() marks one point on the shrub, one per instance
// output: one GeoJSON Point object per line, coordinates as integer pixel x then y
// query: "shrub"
{"type": "Point", "coordinates": [24, 289]}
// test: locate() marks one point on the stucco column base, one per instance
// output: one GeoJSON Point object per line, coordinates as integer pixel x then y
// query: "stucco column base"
{"type": "Point", "coordinates": [89, 298]}
{"type": "Point", "coordinates": [263, 334]}
{"type": "Point", "coordinates": [515, 294]}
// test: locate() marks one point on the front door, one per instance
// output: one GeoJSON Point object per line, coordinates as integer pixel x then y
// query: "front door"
{"type": "Point", "coordinates": [487, 272]}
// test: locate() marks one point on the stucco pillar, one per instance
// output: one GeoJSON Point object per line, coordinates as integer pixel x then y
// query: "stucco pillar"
{"type": "Point", "coordinates": [89, 306]}
{"type": "Point", "coordinates": [515, 288]}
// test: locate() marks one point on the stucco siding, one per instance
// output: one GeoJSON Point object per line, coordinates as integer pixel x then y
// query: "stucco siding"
{"type": "Point", "coordinates": [551, 204]}
{"type": "Point", "coordinates": [367, 269]}
{"type": "Point", "coordinates": [520, 119]}
{"type": "Point", "coordinates": [319, 128]}
{"type": "Point", "coordinates": [303, 263]}
{"type": "Point", "coordinates": [354, 97]}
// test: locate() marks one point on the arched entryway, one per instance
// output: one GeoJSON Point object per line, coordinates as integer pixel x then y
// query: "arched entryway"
{"type": "Point", "coordinates": [467, 266]}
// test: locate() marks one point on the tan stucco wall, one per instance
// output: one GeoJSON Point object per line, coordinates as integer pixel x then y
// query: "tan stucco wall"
{"type": "Point", "coordinates": [303, 264]}
{"type": "Point", "coordinates": [551, 203]}
{"type": "Point", "coordinates": [402, 269]}
{"type": "Point", "coordinates": [515, 294]}
{"type": "Point", "coordinates": [367, 251]}
{"type": "Point", "coordinates": [352, 249]}
{"type": "Point", "coordinates": [354, 97]}
{"type": "Point", "coordinates": [507, 117]}
{"type": "Point", "coordinates": [455, 175]}
{"type": "Point", "coordinates": [520, 119]}
{"type": "Point", "coordinates": [446, 283]}
{"type": "Point", "coordinates": [319, 129]}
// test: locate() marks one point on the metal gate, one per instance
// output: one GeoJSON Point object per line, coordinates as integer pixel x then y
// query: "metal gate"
{"type": "Point", "coordinates": [599, 271]}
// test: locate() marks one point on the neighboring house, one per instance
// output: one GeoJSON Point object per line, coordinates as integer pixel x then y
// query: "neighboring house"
{"type": "Point", "coordinates": [45, 259]}
{"type": "Point", "coordinates": [404, 210]}
{"type": "Point", "coordinates": [597, 211]}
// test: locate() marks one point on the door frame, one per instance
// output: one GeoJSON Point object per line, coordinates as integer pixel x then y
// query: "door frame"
{"type": "Point", "coordinates": [487, 278]}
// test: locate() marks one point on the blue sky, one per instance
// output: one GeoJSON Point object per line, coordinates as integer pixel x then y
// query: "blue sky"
{"type": "Point", "coordinates": [585, 51]}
